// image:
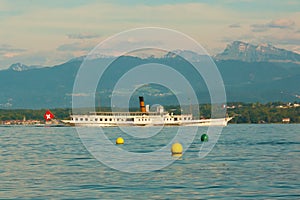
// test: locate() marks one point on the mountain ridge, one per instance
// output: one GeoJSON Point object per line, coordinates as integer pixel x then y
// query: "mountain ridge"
{"type": "Point", "coordinates": [238, 50]}
{"type": "Point", "coordinates": [51, 87]}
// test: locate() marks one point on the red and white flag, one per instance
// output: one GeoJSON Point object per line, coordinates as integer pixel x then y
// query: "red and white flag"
{"type": "Point", "coordinates": [48, 115]}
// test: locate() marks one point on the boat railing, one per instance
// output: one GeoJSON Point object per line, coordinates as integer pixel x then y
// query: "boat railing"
{"type": "Point", "coordinates": [128, 113]}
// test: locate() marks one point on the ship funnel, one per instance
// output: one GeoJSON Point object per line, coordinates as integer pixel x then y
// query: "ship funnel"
{"type": "Point", "coordinates": [142, 104]}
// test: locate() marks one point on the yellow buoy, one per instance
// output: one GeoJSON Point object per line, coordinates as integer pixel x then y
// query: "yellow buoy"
{"type": "Point", "coordinates": [176, 148]}
{"type": "Point", "coordinates": [119, 140]}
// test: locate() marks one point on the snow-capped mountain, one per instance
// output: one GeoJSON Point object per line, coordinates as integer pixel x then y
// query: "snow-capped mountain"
{"type": "Point", "coordinates": [243, 51]}
{"type": "Point", "coordinates": [20, 67]}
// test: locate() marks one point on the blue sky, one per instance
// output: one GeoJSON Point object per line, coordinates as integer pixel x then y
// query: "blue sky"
{"type": "Point", "coordinates": [51, 32]}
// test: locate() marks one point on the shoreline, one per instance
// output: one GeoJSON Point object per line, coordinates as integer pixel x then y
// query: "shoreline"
{"type": "Point", "coordinates": [66, 125]}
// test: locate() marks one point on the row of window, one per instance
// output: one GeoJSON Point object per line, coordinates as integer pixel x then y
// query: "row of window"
{"type": "Point", "coordinates": [96, 119]}
{"type": "Point", "coordinates": [183, 118]}
{"type": "Point", "coordinates": [144, 119]}
{"type": "Point", "coordinates": [131, 119]}
{"type": "Point", "coordinates": [168, 119]}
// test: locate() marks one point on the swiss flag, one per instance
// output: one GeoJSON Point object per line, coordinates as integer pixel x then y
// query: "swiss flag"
{"type": "Point", "coordinates": [48, 115]}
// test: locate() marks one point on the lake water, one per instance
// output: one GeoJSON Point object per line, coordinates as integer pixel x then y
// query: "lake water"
{"type": "Point", "coordinates": [248, 161]}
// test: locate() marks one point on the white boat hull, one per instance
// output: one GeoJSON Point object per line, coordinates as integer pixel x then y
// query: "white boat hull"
{"type": "Point", "coordinates": [90, 122]}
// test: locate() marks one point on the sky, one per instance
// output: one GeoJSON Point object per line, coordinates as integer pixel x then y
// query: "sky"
{"type": "Point", "coordinates": [47, 33]}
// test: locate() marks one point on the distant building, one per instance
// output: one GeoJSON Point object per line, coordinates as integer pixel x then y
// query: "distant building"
{"type": "Point", "coordinates": [231, 107]}
{"type": "Point", "coordinates": [289, 105]}
{"type": "Point", "coordinates": [286, 120]}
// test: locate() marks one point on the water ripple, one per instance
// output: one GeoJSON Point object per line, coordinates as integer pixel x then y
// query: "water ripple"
{"type": "Point", "coordinates": [249, 161]}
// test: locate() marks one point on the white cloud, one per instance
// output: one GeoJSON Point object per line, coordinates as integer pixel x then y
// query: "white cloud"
{"type": "Point", "coordinates": [8, 51]}
{"type": "Point", "coordinates": [282, 23]}
{"type": "Point", "coordinates": [278, 24]}
{"type": "Point", "coordinates": [234, 26]}
{"type": "Point", "coordinates": [75, 47]}
{"type": "Point", "coordinates": [10, 55]}
{"type": "Point", "coordinates": [42, 28]}
{"type": "Point", "coordinates": [82, 36]}
{"type": "Point", "coordinates": [4, 48]}
{"type": "Point", "coordinates": [45, 29]}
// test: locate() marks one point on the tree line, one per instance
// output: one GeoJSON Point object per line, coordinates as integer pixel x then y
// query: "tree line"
{"type": "Point", "coordinates": [29, 114]}
{"type": "Point", "coordinates": [255, 113]}
{"type": "Point", "coordinates": [272, 112]}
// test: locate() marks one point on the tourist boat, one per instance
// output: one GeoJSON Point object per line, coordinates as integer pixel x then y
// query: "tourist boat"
{"type": "Point", "coordinates": [142, 118]}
